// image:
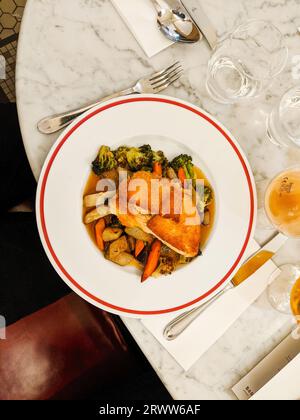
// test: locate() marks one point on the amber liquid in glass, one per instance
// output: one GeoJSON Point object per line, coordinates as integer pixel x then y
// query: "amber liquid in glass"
{"type": "Point", "coordinates": [295, 299]}
{"type": "Point", "coordinates": [282, 202]}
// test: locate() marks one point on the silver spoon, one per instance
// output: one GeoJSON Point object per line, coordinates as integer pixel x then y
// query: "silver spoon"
{"type": "Point", "coordinates": [176, 25]}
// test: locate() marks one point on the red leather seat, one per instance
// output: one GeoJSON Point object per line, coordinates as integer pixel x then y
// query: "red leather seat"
{"type": "Point", "coordinates": [62, 352]}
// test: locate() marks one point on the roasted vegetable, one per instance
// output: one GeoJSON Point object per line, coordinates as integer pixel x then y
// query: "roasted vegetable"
{"type": "Point", "coordinates": [94, 200]}
{"type": "Point", "coordinates": [115, 222]}
{"type": "Point", "coordinates": [167, 262]}
{"type": "Point", "coordinates": [205, 199]}
{"type": "Point", "coordinates": [206, 218]}
{"type": "Point", "coordinates": [139, 246]}
{"type": "Point", "coordinates": [208, 195]}
{"type": "Point", "coordinates": [105, 161]}
{"type": "Point", "coordinates": [96, 214]}
{"type": "Point", "coordinates": [143, 256]}
{"type": "Point", "coordinates": [139, 234]}
{"type": "Point", "coordinates": [182, 174]}
{"type": "Point", "coordinates": [131, 243]}
{"type": "Point", "coordinates": [121, 156]}
{"type": "Point", "coordinates": [157, 169]}
{"type": "Point", "coordinates": [159, 157]}
{"type": "Point", "coordinates": [186, 163]}
{"type": "Point", "coordinates": [153, 260]}
{"type": "Point", "coordinates": [116, 247]}
{"type": "Point", "coordinates": [99, 228]}
{"type": "Point", "coordinates": [139, 158]}
{"type": "Point", "coordinates": [111, 234]}
{"type": "Point", "coordinates": [123, 259]}
{"type": "Point", "coordinates": [171, 173]}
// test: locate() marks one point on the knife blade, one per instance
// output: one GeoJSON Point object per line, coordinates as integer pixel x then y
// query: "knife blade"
{"type": "Point", "coordinates": [253, 264]}
{"type": "Point", "coordinates": [197, 14]}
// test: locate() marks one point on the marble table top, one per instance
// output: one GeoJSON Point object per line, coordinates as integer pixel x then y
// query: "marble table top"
{"type": "Point", "coordinates": [75, 51]}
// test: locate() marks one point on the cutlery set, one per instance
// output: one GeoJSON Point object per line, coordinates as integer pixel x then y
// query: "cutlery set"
{"type": "Point", "coordinates": [176, 23]}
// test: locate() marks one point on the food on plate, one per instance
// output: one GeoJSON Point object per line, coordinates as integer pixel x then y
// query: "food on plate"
{"type": "Point", "coordinates": [146, 211]}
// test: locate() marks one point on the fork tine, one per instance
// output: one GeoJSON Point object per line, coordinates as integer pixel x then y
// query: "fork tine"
{"type": "Point", "coordinates": [160, 73]}
{"type": "Point", "coordinates": [165, 77]}
{"type": "Point", "coordinates": [161, 87]}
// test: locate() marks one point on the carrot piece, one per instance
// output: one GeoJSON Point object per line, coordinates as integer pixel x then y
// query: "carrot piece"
{"type": "Point", "coordinates": [139, 246]}
{"type": "Point", "coordinates": [157, 168]}
{"type": "Point", "coordinates": [99, 229]}
{"type": "Point", "coordinates": [181, 175]}
{"type": "Point", "coordinates": [152, 261]}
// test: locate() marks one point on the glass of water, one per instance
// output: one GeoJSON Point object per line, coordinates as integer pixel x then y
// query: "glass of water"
{"type": "Point", "coordinates": [283, 125]}
{"type": "Point", "coordinates": [244, 64]}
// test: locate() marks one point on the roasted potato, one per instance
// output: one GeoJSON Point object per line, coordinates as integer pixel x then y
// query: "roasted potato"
{"type": "Point", "coordinates": [137, 233]}
{"type": "Point", "coordinates": [98, 199]}
{"type": "Point", "coordinates": [96, 214]}
{"type": "Point", "coordinates": [116, 247]}
{"type": "Point", "coordinates": [123, 259]}
{"type": "Point", "coordinates": [111, 234]}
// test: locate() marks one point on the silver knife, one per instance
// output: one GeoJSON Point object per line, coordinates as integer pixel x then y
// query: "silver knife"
{"type": "Point", "coordinates": [196, 12]}
{"type": "Point", "coordinates": [174, 328]}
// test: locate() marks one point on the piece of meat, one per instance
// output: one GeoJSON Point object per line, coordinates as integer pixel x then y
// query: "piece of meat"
{"type": "Point", "coordinates": [177, 234]}
{"type": "Point", "coordinates": [132, 221]}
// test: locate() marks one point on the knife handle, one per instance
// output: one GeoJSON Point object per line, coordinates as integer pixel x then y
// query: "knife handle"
{"type": "Point", "coordinates": [180, 324]}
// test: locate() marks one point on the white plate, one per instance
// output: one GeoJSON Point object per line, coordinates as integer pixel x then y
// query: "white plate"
{"type": "Point", "coordinates": [175, 127]}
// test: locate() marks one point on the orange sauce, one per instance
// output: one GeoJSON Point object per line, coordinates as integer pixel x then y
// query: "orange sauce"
{"type": "Point", "coordinates": [206, 230]}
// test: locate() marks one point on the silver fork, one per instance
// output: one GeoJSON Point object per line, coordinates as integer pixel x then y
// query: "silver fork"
{"type": "Point", "coordinates": [153, 84]}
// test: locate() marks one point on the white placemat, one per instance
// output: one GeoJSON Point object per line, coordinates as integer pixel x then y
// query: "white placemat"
{"type": "Point", "coordinates": [213, 323]}
{"type": "Point", "coordinates": [141, 18]}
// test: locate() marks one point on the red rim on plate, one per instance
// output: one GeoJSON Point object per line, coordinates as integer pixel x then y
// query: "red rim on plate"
{"type": "Point", "coordinates": [43, 221]}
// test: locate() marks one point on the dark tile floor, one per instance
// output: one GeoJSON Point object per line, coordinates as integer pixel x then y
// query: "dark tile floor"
{"type": "Point", "coordinates": [11, 12]}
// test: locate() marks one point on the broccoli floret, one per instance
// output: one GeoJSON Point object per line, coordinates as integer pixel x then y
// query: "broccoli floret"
{"type": "Point", "coordinates": [105, 161]}
{"type": "Point", "coordinates": [185, 162]}
{"type": "Point", "coordinates": [121, 156]}
{"type": "Point", "coordinates": [139, 158]}
{"type": "Point", "coordinates": [159, 157]}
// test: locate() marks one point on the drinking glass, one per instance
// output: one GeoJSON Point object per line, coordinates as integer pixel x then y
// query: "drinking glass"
{"type": "Point", "coordinates": [282, 207]}
{"type": "Point", "coordinates": [284, 290]}
{"type": "Point", "coordinates": [283, 124]}
{"type": "Point", "coordinates": [244, 64]}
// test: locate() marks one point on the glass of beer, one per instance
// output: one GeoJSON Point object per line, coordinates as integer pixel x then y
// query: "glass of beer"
{"type": "Point", "coordinates": [282, 202]}
{"type": "Point", "coordinates": [282, 206]}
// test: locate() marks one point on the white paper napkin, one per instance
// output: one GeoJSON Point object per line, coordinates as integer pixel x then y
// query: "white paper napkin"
{"type": "Point", "coordinates": [140, 16]}
{"type": "Point", "coordinates": [214, 322]}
